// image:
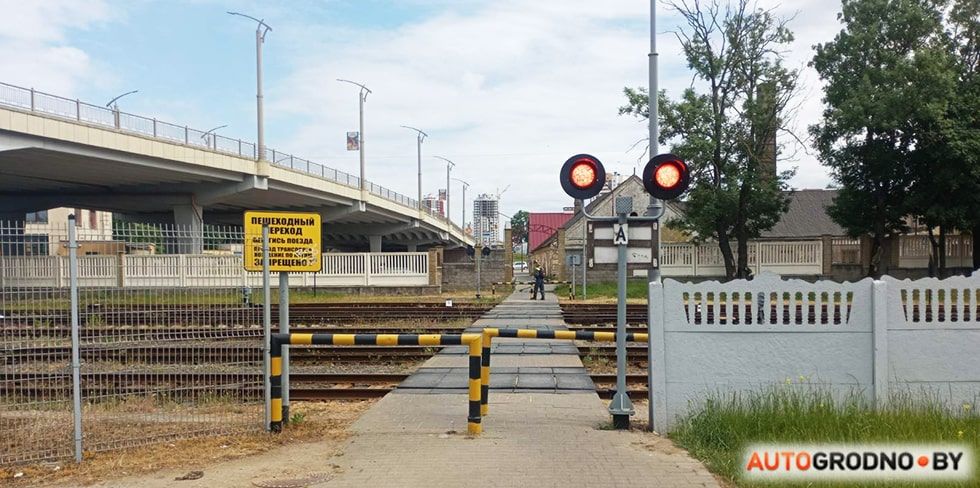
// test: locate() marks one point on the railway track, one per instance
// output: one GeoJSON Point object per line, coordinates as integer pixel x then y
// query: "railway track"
{"type": "Point", "coordinates": [150, 314]}
{"type": "Point", "coordinates": [341, 386]}
{"type": "Point", "coordinates": [228, 333]}
{"type": "Point", "coordinates": [250, 353]}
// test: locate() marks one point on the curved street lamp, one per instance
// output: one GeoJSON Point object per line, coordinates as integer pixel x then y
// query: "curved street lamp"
{"type": "Point", "coordinates": [362, 97]}
{"type": "Point", "coordinates": [420, 136]}
{"type": "Point", "coordinates": [260, 31]}
{"type": "Point", "coordinates": [208, 140]}
{"type": "Point", "coordinates": [449, 167]}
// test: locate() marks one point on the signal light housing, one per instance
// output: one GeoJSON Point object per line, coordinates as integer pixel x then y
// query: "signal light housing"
{"type": "Point", "coordinates": [582, 176]}
{"type": "Point", "coordinates": [666, 177]}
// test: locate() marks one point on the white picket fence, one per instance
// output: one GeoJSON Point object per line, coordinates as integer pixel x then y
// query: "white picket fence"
{"type": "Point", "coordinates": [781, 257]}
{"type": "Point", "coordinates": [872, 338]}
{"type": "Point", "coordinates": [208, 270]}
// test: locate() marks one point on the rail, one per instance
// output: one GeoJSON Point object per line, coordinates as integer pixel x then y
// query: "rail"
{"type": "Point", "coordinates": [35, 101]}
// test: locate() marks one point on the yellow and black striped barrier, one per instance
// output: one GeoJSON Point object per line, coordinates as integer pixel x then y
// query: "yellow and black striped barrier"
{"type": "Point", "coordinates": [473, 340]}
{"type": "Point", "coordinates": [570, 335]}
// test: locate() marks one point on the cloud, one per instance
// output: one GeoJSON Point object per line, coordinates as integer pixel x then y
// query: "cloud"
{"type": "Point", "coordinates": [34, 43]}
{"type": "Point", "coordinates": [506, 89]}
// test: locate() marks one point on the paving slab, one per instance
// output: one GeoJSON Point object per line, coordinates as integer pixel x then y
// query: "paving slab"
{"type": "Point", "coordinates": [507, 360]}
{"type": "Point", "coordinates": [529, 439]}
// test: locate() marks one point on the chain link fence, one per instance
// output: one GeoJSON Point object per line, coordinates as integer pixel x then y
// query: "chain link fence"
{"type": "Point", "coordinates": [157, 362]}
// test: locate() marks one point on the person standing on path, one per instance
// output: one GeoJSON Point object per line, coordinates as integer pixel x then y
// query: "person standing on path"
{"type": "Point", "coordinates": [538, 282]}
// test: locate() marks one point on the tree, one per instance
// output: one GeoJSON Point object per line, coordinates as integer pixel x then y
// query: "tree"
{"type": "Point", "coordinates": [518, 227]}
{"type": "Point", "coordinates": [961, 125]}
{"type": "Point", "coordinates": [728, 132]}
{"type": "Point", "coordinates": [878, 72]}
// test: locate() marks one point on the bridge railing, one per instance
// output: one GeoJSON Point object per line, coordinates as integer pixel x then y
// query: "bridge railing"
{"type": "Point", "coordinates": [55, 106]}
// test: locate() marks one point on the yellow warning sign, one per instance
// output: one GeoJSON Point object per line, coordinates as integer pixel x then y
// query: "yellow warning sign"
{"type": "Point", "coordinates": [294, 241]}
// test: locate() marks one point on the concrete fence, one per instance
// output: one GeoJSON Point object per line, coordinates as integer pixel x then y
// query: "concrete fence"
{"type": "Point", "coordinates": [873, 338]}
{"type": "Point", "coordinates": [780, 257]}
{"type": "Point", "coordinates": [199, 270]}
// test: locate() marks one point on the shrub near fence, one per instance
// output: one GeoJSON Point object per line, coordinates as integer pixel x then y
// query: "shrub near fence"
{"type": "Point", "coordinates": [875, 338]}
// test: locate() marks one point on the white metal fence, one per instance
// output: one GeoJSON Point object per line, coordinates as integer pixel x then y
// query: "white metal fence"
{"type": "Point", "coordinates": [197, 270]}
{"type": "Point", "coordinates": [875, 338]}
{"type": "Point", "coordinates": [914, 251]}
{"type": "Point", "coordinates": [780, 257]}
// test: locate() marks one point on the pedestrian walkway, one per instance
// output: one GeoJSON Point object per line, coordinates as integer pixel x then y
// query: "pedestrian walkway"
{"type": "Point", "coordinates": [546, 425]}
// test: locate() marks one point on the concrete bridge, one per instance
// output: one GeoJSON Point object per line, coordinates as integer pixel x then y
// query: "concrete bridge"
{"type": "Point", "coordinates": [57, 152]}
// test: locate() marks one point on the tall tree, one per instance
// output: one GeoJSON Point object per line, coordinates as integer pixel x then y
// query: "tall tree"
{"type": "Point", "coordinates": [877, 72]}
{"type": "Point", "coordinates": [727, 132]}
{"type": "Point", "coordinates": [518, 227]}
{"type": "Point", "coordinates": [963, 119]}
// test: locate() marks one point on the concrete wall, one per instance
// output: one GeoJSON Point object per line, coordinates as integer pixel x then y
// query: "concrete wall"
{"type": "Point", "coordinates": [878, 348]}
{"type": "Point", "coordinates": [459, 270]}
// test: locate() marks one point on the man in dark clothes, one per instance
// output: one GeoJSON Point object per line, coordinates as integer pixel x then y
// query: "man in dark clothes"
{"type": "Point", "coordinates": [538, 282]}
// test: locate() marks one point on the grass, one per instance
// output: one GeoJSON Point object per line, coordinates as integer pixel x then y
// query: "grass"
{"type": "Point", "coordinates": [635, 289]}
{"type": "Point", "coordinates": [718, 432]}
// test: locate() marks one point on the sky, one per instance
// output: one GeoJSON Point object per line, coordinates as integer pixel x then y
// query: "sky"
{"type": "Point", "coordinates": [507, 89]}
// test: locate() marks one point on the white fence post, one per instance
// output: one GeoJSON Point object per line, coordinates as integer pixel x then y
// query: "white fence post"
{"type": "Point", "coordinates": [657, 357]}
{"type": "Point", "coordinates": [367, 262]}
{"type": "Point", "coordinates": [182, 270]}
{"type": "Point", "coordinates": [879, 338]}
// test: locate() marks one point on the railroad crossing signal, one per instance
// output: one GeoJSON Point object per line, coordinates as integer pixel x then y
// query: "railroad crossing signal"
{"type": "Point", "coordinates": [666, 176]}
{"type": "Point", "coordinates": [582, 176]}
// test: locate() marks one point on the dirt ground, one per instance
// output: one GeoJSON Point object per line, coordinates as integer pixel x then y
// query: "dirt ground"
{"type": "Point", "coordinates": [244, 460]}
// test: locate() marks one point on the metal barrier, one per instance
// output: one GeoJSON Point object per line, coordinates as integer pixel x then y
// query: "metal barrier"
{"type": "Point", "coordinates": [473, 340]}
{"type": "Point", "coordinates": [568, 335]}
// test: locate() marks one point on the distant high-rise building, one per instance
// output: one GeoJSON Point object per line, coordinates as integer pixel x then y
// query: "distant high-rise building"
{"type": "Point", "coordinates": [486, 220]}
{"type": "Point", "coordinates": [435, 205]}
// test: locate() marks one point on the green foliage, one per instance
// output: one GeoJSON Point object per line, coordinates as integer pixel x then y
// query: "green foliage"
{"type": "Point", "coordinates": [518, 226]}
{"type": "Point", "coordinates": [900, 129]}
{"type": "Point", "coordinates": [727, 133]}
{"type": "Point", "coordinates": [718, 433]}
{"type": "Point", "coordinates": [133, 232]}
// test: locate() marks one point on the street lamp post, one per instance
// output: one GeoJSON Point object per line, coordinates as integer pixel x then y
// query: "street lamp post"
{"type": "Point", "coordinates": [115, 106]}
{"type": "Point", "coordinates": [212, 142]}
{"type": "Point", "coordinates": [362, 97]}
{"type": "Point", "coordinates": [260, 31]}
{"type": "Point", "coordinates": [449, 167]}
{"type": "Point", "coordinates": [420, 136]}
{"type": "Point", "coordinates": [462, 225]}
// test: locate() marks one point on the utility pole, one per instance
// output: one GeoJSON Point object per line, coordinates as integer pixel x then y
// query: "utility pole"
{"type": "Point", "coordinates": [653, 109]}
{"type": "Point", "coordinates": [362, 97]}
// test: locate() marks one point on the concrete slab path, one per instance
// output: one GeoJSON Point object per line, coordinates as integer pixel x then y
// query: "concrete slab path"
{"type": "Point", "coordinates": [546, 426]}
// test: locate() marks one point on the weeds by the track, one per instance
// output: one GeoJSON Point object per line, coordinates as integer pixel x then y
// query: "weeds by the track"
{"type": "Point", "coordinates": [718, 433]}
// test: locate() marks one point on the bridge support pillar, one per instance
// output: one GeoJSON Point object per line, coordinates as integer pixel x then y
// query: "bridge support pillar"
{"type": "Point", "coordinates": [375, 243]}
{"type": "Point", "coordinates": [189, 220]}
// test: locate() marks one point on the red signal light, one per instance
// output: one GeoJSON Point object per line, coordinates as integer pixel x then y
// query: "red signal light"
{"type": "Point", "coordinates": [666, 177]}
{"type": "Point", "coordinates": [582, 176]}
